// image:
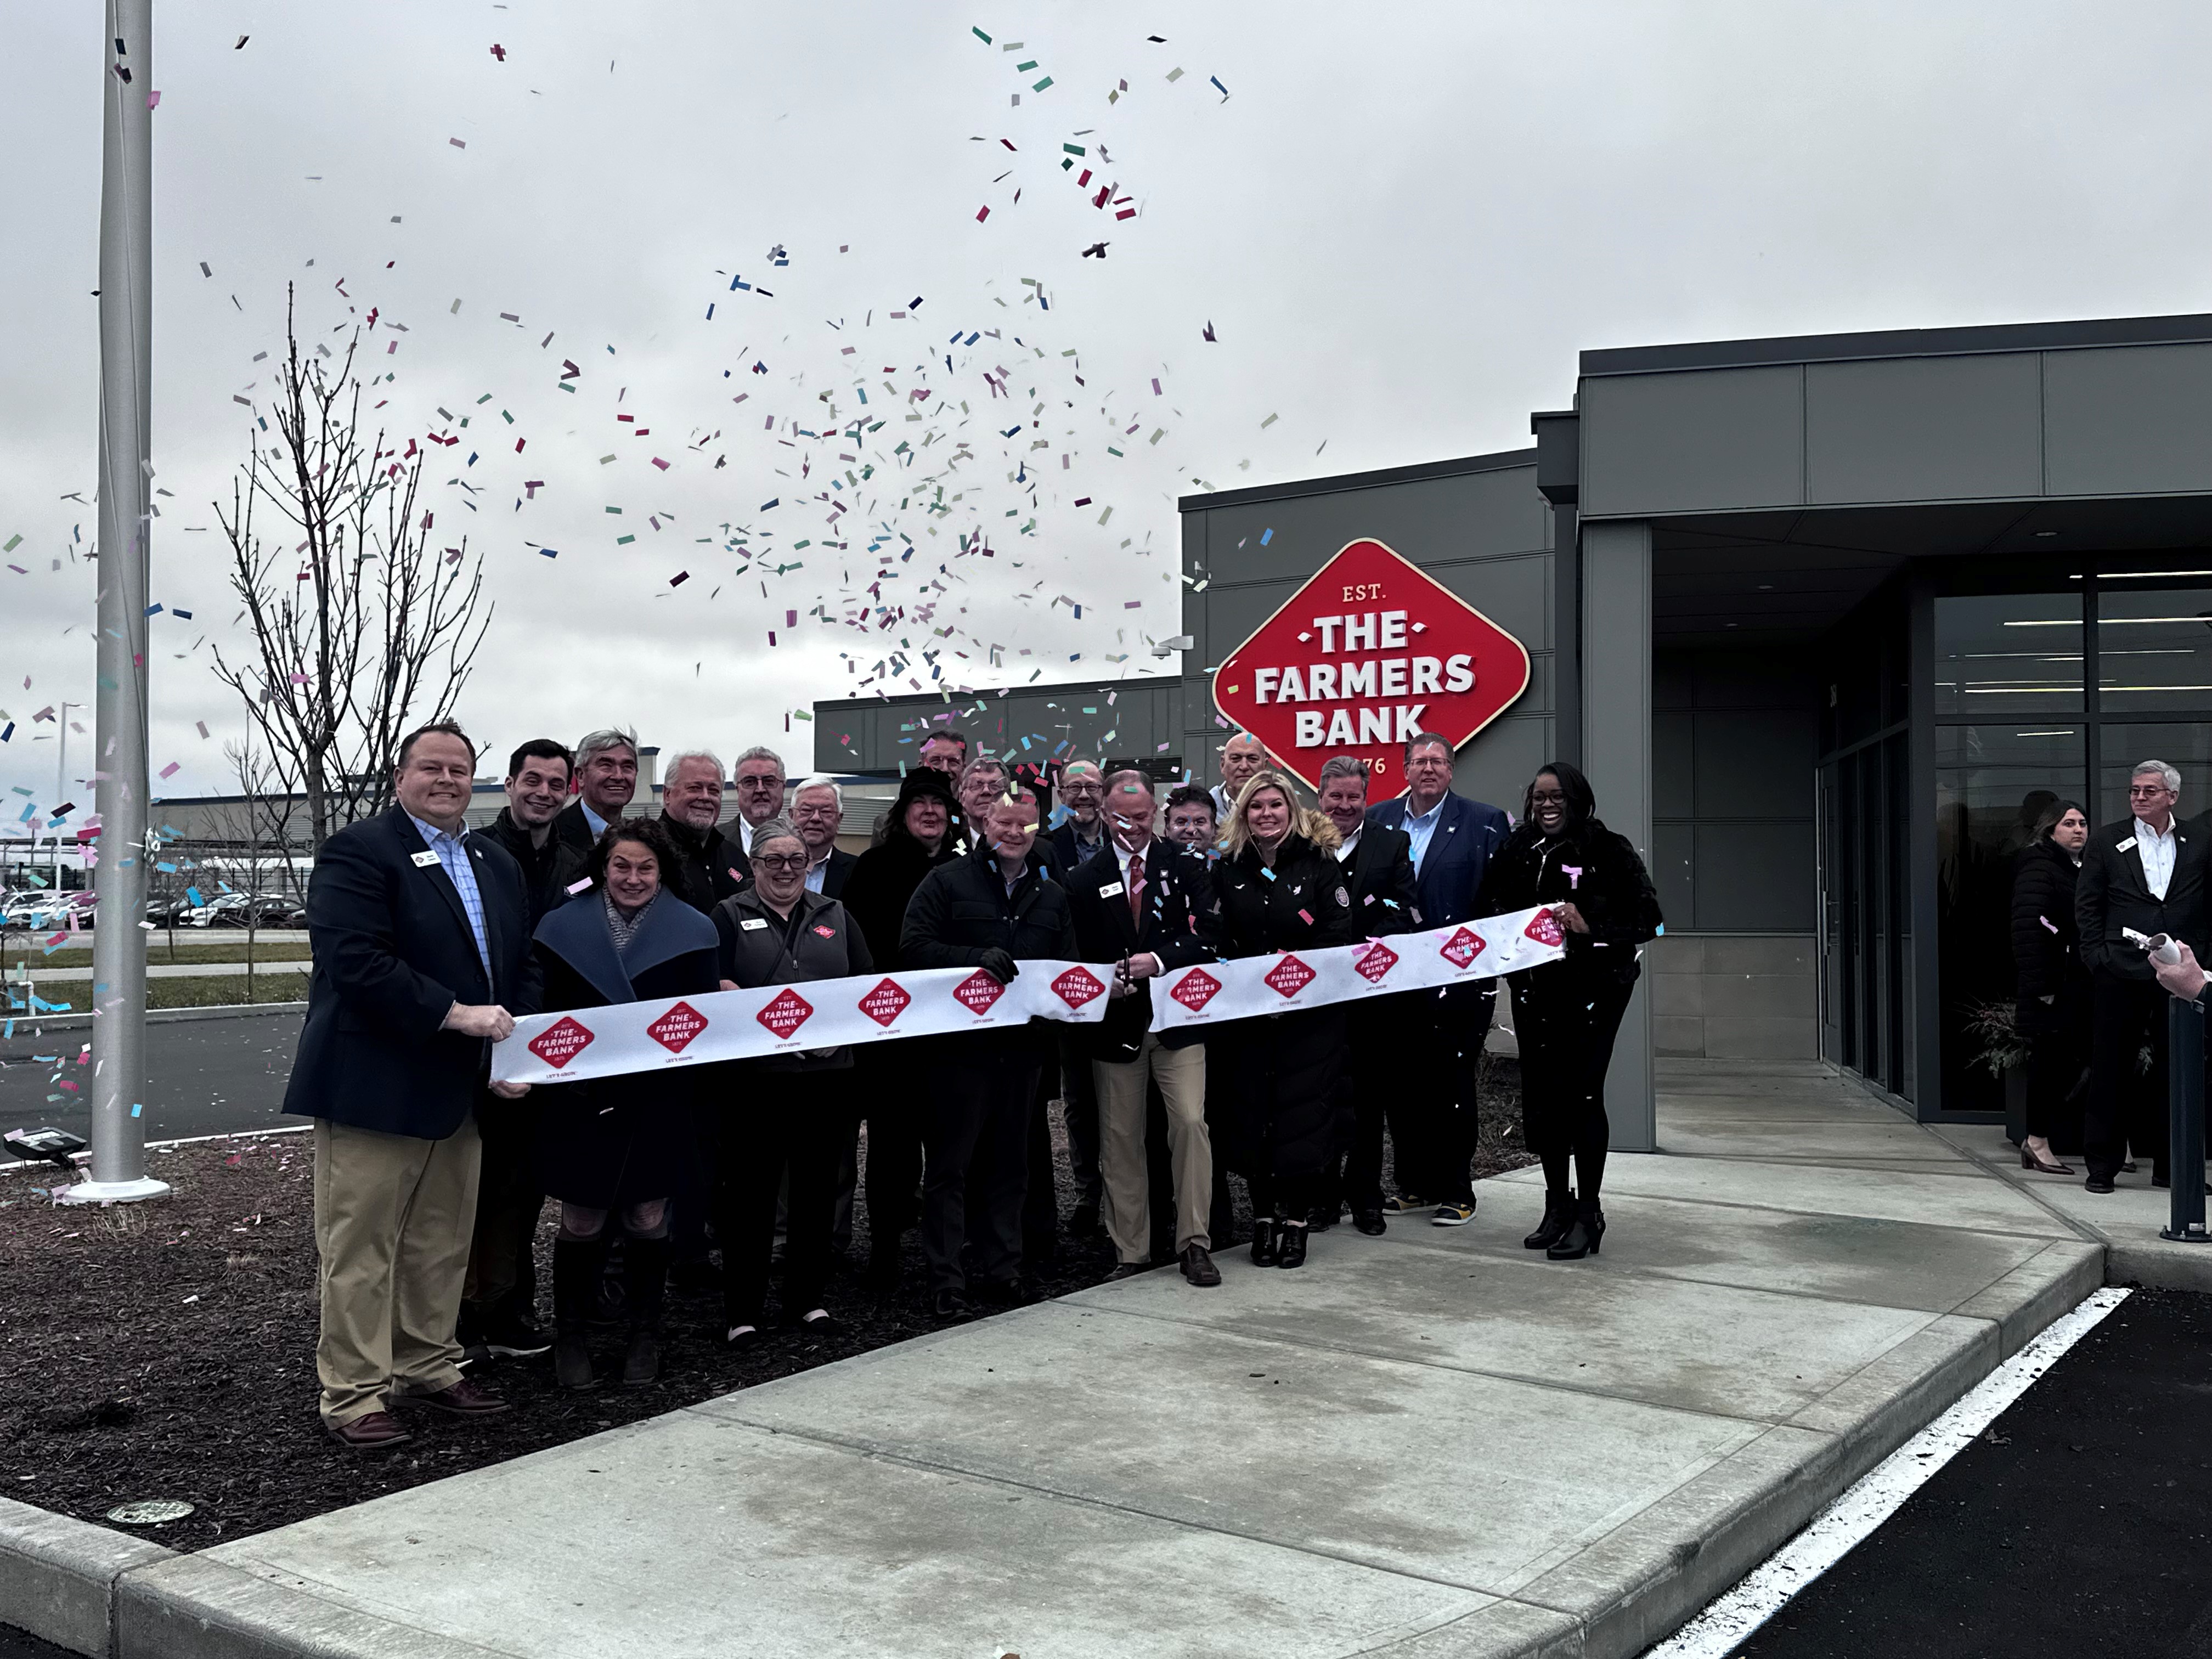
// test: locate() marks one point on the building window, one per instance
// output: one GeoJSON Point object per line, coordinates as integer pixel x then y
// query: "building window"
{"type": "Point", "coordinates": [1999, 655]}
{"type": "Point", "coordinates": [2154, 650]}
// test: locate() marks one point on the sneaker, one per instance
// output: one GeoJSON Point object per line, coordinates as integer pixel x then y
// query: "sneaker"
{"type": "Point", "coordinates": [1404, 1204]}
{"type": "Point", "coordinates": [1453, 1215]}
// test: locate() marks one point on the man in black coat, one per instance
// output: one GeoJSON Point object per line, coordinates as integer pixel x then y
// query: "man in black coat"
{"type": "Point", "coordinates": [606, 775]}
{"type": "Point", "coordinates": [1083, 834]}
{"type": "Point", "coordinates": [1379, 862]}
{"type": "Point", "coordinates": [498, 1302]}
{"type": "Point", "coordinates": [2144, 875]}
{"type": "Point", "coordinates": [992, 909]}
{"type": "Point", "coordinates": [1435, 1112]}
{"type": "Point", "coordinates": [818, 810]}
{"type": "Point", "coordinates": [713, 867]}
{"type": "Point", "coordinates": [1146, 905]}
{"type": "Point", "coordinates": [422, 945]}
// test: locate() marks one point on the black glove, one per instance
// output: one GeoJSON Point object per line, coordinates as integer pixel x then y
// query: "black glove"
{"type": "Point", "coordinates": [1000, 965]}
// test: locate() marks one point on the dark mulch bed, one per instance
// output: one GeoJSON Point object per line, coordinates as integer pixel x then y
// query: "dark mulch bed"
{"type": "Point", "coordinates": [167, 1350]}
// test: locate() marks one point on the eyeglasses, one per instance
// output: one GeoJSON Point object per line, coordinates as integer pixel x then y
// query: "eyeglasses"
{"type": "Point", "coordinates": [2139, 791]}
{"type": "Point", "coordinates": [1548, 798]}
{"type": "Point", "coordinates": [780, 861]}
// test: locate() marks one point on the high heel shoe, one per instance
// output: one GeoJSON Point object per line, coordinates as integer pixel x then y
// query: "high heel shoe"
{"type": "Point", "coordinates": [1267, 1241]}
{"type": "Point", "coordinates": [2028, 1160]}
{"type": "Point", "coordinates": [1558, 1215]}
{"type": "Point", "coordinates": [1290, 1245]}
{"type": "Point", "coordinates": [1582, 1237]}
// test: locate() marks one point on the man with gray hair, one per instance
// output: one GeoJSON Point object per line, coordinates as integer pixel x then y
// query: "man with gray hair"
{"type": "Point", "coordinates": [606, 778]}
{"type": "Point", "coordinates": [692, 812]}
{"type": "Point", "coordinates": [818, 810]}
{"type": "Point", "coordinates": [2141, 876]}
{"type": "Point", "coordinates": [759, 781]}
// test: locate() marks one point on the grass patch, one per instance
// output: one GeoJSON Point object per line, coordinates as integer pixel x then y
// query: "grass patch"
{"type": "Point", "coordinates": [221, 990]}
{"type": "Point", "coordinates": [158, 955]}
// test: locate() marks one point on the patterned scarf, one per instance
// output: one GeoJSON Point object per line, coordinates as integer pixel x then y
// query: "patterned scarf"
{"type": "Point", "coordinates": [623, 928]}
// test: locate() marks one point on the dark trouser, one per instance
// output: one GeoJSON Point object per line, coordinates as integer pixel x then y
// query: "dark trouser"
{"type": "Point", "coordinates": [1566, 1022]}
{"type": "Point", "coordinates": [1292, 1197]}
{"type": "Point", "coordinates": [2125, 1014]}
{"type": "Point", "coordinates": [2058, 1065]}
{"type": "Point", "coordinates": [796, 1132]}
{"type": "Point", "coordinates": [978, 1115]}
{"type": "Point", "coordinates": [1221, 1223]}
{"type": "Point", "coordinates": [695, 1179]}
{"type": "Point", "coordinates": [1078, 1095]}
{"type": "Point", "coordinates": [848, 1182]}
{"type": "Point", "coordinates": [1434, 1116]}
{"type": "Point", "coordinates": [502, 1259]}
{"type": "Point", "coordinates": [1356, 1178]}
{"type": "Point", "coordinates": [1040, 1196]}
{"type": "Point", "coordinates": [890, 1093]}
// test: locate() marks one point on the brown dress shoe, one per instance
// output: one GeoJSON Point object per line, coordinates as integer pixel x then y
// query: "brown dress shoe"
{"type": "Point", "coordinates": [1129, 1270]}
{"type": "Point", "coordinates": [372, 1431]}
{"type": "Point", "coordinates": [1198, 1267]}
{"type": "Point", "coordinates": [461, 1398]}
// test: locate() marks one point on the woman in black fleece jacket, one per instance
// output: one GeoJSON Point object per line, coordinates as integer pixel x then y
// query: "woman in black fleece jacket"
{"type": "Point", "coordinates": [2053, 1012]}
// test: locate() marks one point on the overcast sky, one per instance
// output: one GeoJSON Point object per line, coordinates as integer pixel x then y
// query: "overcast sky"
{"type": "Point", "coordinates": [1402, 222]}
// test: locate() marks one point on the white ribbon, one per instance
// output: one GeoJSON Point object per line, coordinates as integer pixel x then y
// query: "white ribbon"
{"type": "Point", "coordinates": [627, 1037]}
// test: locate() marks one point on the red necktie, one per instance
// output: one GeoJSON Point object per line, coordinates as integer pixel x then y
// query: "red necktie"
{"type": "Point", "coordinates": [1136, 889]}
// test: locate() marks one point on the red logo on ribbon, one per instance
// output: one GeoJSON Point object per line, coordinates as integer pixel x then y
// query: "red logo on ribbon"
{"type": "Point", "coordinates": [886, 1002]}
{"type": "Point", "coordinates": [674, 1029]}
{"type": "Point", "coordinates": [978, 991]}
{"type": "Point", "coordinates": [1379, 960]}
{"type": "Point", "coordinates": [560, 1042]}
{"type": "Point", "coordinates": [1545, 929]}
{"type": "Point", "coordinates": [1196, 989]}
{"type": "Point", "coordinates": [1079, 986]}
{"type": "Point", "coordinates": [787, 1013]}
{"type": "Point", "coordinates": [1462, 947]}
{"type": "Point", "coordinates": [1290, 977]}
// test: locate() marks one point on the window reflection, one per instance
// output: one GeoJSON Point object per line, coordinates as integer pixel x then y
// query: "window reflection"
{"type": "Point", "coordinates": [2153, 649]}
{"type": "Point", "coordinates": [2001, 654]}
{"type": "Point", "coordinates": [2185, 745]}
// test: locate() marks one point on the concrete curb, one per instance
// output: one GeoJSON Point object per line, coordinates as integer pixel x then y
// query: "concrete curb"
{"type": "Point", "coordinates": [59, 1577]}
{"type": "Point", "coordinates": [190, 1607]}
{"type": "Point", "coordinates": [2164, 1265]}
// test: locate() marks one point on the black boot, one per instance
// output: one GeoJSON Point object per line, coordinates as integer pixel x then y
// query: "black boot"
{"type": "Point", "coordinates": [1558, 1215]}
{"type": "Point", "coordinates": [577, 1263]}
{"type": "Point", "coordinates": [1267, 1241]}
{"type": "Point", "coordinates": [1290, 1246]}
{"type": "Point", "coordinates": [1581, 1238]}
{"type": "Point", "coordinates": [645, 1281]}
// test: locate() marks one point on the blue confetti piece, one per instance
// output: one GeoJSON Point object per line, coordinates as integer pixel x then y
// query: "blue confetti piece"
{"type": "Point", "coordinates": [1267, 536]}
{"type": "Point", "coordinates": [136, 1109]}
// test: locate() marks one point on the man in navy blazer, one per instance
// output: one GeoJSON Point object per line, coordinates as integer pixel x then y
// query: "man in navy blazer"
{"type": "Point", "coordinates": [1434, 1130]}
{"type": "Point", "coordinates": [421, 935]}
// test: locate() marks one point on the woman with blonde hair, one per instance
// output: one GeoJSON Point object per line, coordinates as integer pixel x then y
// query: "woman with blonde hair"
{"type": "Point", "coordinates": [1281, 889]}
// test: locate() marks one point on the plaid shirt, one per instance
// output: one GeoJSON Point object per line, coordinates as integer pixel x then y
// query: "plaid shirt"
{"type": "Point", "coordinates": [453, 857]}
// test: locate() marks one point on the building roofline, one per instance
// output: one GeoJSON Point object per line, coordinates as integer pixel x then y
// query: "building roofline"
{"type": "Point", "coordinates": [2074, 336]}
{"type": "Point", "coordinates": [1502, 461]}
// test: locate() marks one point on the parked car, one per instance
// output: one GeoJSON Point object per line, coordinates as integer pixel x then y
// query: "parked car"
{"type": "Point", "coordinates": [50, 909]}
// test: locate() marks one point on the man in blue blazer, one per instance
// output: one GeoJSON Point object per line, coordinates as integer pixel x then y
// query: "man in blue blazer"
{"type": "Point", "coordinates": [421, 933]}
{"type": "Point", "coordinates": [1433, 1126]}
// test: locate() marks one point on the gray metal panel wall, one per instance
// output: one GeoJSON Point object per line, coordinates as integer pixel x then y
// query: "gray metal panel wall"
{"type": "Point", "coordinates": [2130, 421]}
{"type": "Point", "coordinates": [1062, 721]}
{"type": "Point", "coordinates": [1483, 535]}
{"type": "Point", "coordinates": [1735, 742]}
{"type": "Point", "coordinates": [1923, 429]}
{"type": "Point", "coordinates": [1986, 426]}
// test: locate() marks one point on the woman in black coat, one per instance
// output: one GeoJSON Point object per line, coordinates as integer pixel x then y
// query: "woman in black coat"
{"type": "Point", "coordinates": [612, 1144]}
{"type": "Point", "coordinates": [2053, 1012]}
{"type": "Point", "coordinates": [1281, 889]}
{"type": "Point", "coordinates": [1566, 1013]}
{"type": "Point", "coordinates": [794, 1112]}
{"type": "Point", "coordinates": [923, 832]}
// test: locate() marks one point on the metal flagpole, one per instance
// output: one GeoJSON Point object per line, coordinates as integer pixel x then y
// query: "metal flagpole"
{"type": "Point", "coordinates": [120, 769]}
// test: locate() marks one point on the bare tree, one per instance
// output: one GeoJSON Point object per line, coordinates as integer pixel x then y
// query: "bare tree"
{"type": "Point", "coordinates": [362, 629]}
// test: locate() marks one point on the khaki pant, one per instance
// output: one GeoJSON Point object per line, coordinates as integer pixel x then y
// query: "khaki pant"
{"type": "Point", "coordinates": [1181, 1073]}
{"type": "Point", "coordinates": [393, 1217]}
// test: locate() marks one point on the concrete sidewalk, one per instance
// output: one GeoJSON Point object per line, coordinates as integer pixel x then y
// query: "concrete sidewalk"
{"type": "Point", "coordinates": [1432, 1443]}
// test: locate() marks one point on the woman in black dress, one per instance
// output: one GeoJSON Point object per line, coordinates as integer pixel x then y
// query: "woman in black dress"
{"type": "Point", "coordinates": [1566, 1013]}
{"type": "Point", "coordinates": [923, 831]}
{"type": "Point", "coordinates": [796, 1108]}
{"type": "Point", "coordinates": [2053, 1011]}
{"type": "Point", "coordinates": [1281, 889]}
{"type": "Point", "coordinates": [612, 1144]}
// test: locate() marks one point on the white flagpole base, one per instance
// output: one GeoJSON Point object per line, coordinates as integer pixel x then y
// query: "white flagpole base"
{"type": "Point", "coordinates": [111, 1192]}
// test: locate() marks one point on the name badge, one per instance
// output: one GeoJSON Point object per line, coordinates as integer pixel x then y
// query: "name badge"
{"type": "Point", "coordinates": [424, 860]}
{"type": "Point", "coordinates": [750, 923]}
{"type": "Point", "coordinates": [1111, 889]}
{"type": "Point", "coordinates": [2123, 846]}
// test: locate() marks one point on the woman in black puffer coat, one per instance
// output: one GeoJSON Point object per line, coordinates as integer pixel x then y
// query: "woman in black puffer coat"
{"type": "Point", "coordinates": [1281, 889]}
{"type": "Point", "coordinates": [1566, 1013]}
{"type": "Point", "coordinates": [2053, 1012]}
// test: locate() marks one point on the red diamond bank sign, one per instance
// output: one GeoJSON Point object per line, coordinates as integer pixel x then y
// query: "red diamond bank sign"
{"type": "Point", "coordinates": [1369, 652]}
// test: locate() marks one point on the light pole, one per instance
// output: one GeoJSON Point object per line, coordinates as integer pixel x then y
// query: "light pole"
{"type": "Point", "coordinates": [61, 786]}
{"type": "Point", "coordinates": [126, 334]}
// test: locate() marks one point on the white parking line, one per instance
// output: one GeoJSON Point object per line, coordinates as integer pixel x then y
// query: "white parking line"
{"type": "Point", "coordinates": [1833, 1534]}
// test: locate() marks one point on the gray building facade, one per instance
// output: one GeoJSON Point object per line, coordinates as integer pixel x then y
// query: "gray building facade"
{"type": "Point", "coordinates": [1825, 619]}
